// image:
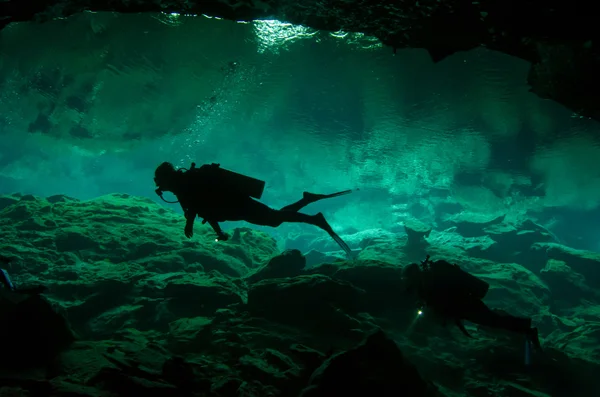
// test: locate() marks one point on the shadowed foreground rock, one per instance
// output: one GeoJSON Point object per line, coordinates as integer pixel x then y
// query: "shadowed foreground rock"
{"type": "Point", "coordinates": [32, 333]}
{"type": "Point", "coordinates": [157, 314]}
{"type": "Point", "coordinates": [374, 368]}
{"type": "Point", "coordinates": [559, 38]}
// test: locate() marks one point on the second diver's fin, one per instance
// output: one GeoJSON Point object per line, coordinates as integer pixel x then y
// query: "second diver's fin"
{"type": "Point", "coordinates": [462, 328]}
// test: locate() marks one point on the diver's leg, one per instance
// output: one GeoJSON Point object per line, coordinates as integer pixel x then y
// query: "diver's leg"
{"type": "Point", "coordinates": [321, 222]}
{"type": "Point", "coordinates": [309, 198]}
{"type": "Point", "coordinates": [477, 312]}
{"type": "Point", "coordinates": [260, 214]}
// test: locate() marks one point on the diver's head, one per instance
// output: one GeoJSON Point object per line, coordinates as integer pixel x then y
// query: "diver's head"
{"type": "Point", "coordinates": [165, 177]}
{"type": "Point", "coordinates": [411, 276]}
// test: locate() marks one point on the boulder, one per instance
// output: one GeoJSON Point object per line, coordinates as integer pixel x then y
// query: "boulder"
{"type": "Point", "coordinates": [314, 303]}
{"type": "Point", "coordinates": [417, 232]}
{"type": "Point", "coordinates": [585, 263]}
{"type": "Point", "coordinates": [376, 367]}
{"type": "Point", "coordinates": [471, 225]}
{"type": "Point", "coordinates": [31, 331]}
{"type": "Point", "coordinates": [568, 286]}
{"type": "Point", "coordinates": [288, 264]}
{"type": "Point", "coordinates": [518, 237]}
{"type": "Point", "coordinates": [381, 281]}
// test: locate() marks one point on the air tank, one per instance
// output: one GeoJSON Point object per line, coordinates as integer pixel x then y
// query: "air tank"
{"type": "Point", "coordinates": [243, 184]}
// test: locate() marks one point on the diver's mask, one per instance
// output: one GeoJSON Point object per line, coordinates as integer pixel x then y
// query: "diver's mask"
{"type": "Point", "coordinates": [159, 191]}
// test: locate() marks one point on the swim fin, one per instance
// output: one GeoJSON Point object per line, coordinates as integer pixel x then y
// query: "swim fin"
{"type": "Point", "coordinates": [323, 224]}
{"type": "Point", "coordinates": [313, 198]}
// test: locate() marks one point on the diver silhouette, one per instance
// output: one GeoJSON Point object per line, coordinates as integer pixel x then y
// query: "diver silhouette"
{"type": "Point", "coordinates": [457, 295]}
{"type": "Point", "coordinates": [219, 195]}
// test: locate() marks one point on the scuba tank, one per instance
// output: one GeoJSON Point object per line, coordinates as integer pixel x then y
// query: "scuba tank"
{"type": "Point", "coordinates": [451, 273]}
{"type": "Point", "coordinates": [220, 179]}
{"type": "Point", "coordinates": [233, 181]}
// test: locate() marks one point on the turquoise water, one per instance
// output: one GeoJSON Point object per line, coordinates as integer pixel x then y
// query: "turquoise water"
{"type": "Point", "coordinates": [97, 101]}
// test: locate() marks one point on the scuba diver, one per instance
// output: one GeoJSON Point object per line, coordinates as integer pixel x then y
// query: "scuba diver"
{"type": "Point", "coordinates": [219, 195]}
{"type": "Point", "coordinates": [457, 295]}
{"type": "Point", "coordinates": [8, 284]}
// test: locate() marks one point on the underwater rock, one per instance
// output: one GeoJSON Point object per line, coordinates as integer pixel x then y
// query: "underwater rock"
{"type": "Point", "coordinates": [417, 232]}
{"type": "Point", "coordinates": [7, 201]}
{"type": "Point", "coordinates": [314, 258]}
{"type": "Point", "coordinates": [60, 198]}
{"type": "Point", "coordinates": [502, 242]}
{"type": "Point", "coordinates": [117, 381]}
{"type": "Point", "coordinates": [93, 289]}
{"type": "Point", "coordinates": [74, 239]}
{"type": "Point", "coordinates": [192, 295]}
{"type": "Point", "coordinates": [271, 367]}
{"type": "Point", "coordinates": [356, 241]}
{"type": "Point", "coordinates": [123, 228]}
{"type": "Point", "coordinates": [519, 237]}
{"type": "Point", "coordinates": [144, 293]}
{"type": "Point", "coordinates": [180, 373]}
{"type": "Point", "coordinates": [365, 238]}
{"type": "Point", "coordinates": [376, 367]}
{"type": "Point", "coordinates": [585, 263]}
{"type": "Point", "coordinates": [190, 335]}
{"type": "Point", "coordinates": [33, 333]}
{"type": "Point", "coordinates": [470, 225]}
{"type": "Point", "coordinates": [314, 303]}
{"type": "Point", "coordinates": [568, 286]}
{"type": "Point", "coordinates": [581, 342]}
{"type": "Point", "coordinates": [290, 263]}
{"type": "Point", "coordinates": [381, 282]}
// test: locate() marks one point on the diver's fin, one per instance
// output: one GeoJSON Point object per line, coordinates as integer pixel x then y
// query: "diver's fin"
{"type": "Point", "coordinates": [312, 197]}
{"type": "Point", "coordinates": [323, 224]}
{"type": "Point", "coordinates": [462, 328]}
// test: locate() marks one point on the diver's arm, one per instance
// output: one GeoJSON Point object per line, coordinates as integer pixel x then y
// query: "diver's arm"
{"type": "Point", "coordinates": [190, 217]}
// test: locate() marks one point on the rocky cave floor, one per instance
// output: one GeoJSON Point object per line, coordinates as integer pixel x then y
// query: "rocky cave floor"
{"type": "Point", "coordinates": [153, 313]}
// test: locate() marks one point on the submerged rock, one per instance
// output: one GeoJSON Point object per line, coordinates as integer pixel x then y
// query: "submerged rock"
{"type": "Point", "coordinates": [585, 263]}
{"type": "Point", "coordinates": [568, 286]}
{"type": "Point", "coordinates": [246, 321]}
{"type": "Point", "coordinates": [417, 232]}
{"type": "Point", "coordinates": [314, 303]}
{"type": "Point", "coordinates": [381, 282]}
{"type": "Point", "coordinates": [314, 258]}
{"type": "Point", "coordinates": [376, 367]}
{"type": "Point", "coordinates": [473, 226]}
{"type": "Point", "coordinates": [518, 237]}
{"type": "Point", "coordinates": [31, 331]}
{"type": "Point", "coordinates": [288, 264]}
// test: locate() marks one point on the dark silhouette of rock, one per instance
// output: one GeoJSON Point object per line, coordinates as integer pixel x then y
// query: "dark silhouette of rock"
{"type": "Point", "coordinates": [32, 333]}
{"type": "Point", "coordinates": [314, 303]}
{"type": "Point", "coordinates": [288, 264]}
{"type": "Point", "coordinates": [376, 367]}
